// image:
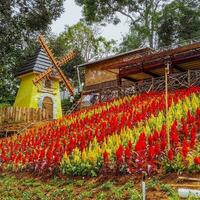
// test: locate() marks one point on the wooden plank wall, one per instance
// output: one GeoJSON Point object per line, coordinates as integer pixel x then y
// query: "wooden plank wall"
{"type": "Point", "coordinates": [20, 114]}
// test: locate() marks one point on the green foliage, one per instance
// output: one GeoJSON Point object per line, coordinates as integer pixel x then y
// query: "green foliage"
{"type": "Point", "coordinates": [134, 194]}
{"type": "Point", "coordinates": [101, 196]}
{"type": "Point", "coordinates": [107, 185]}
{"type": "Point", "coordinates": [170, 192]}
{"type": "Point", "coordinates": [192, 198]}
{"type": "Point", "coordinates": [81, 169]}
{"type": "Point", "coordinates": [173, 195]}
{"type": "Point", "coordinates": [176, 165]}
{"type": "Point", "coordinates": [132, 40]}
{"type": "Point", "coordinates": [83, 39]}
{"type": "Point", "coordinates": [67, 103]}
{"type": "Point", "coordinates": [4, 105]}
{"type": "Point", "coordinates": [152, 183]}
{"type": "Point", "coordinates": [142, 16]}
{"type": "Point", "coordinates": [155, 23]}
{"type": "Point", "coordinates": [21, 22]}
{"type": "Point", "coordinates": [179, 21]}
{"type": "Point", "coordinates": [83, 195]}
{"type": "Point", "coordinates": [118, 192]}
{"type": "Point", "coordinates": [128, 185]}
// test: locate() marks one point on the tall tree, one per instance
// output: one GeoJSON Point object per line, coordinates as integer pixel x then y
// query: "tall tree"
{"type": "Point", "coordinates": [142, 14]}
{"type": "Point", "coordinates": [86, 40]}
{"type": "Point", "coordinates": [179, 21]}
{"type": "Point", "coordinates": [20, 22]}
{"type": "Point", "coordinates": [132, 40]}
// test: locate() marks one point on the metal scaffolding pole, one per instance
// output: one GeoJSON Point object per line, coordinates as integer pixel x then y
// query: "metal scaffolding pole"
{"type": "Point", "coordinates": [79, 79]}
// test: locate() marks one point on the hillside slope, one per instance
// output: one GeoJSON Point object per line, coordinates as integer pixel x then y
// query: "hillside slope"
{"type": "Point", "coordinates": [123, 136]}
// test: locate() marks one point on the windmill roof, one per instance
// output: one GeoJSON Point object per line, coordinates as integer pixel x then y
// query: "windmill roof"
{"type": "Point", "coordinates": [37, 63]}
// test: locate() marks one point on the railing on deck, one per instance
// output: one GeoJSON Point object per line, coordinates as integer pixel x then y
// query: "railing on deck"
{"type": "Point", "coordinates": [175, 81]}
{"type": "Point", "coordinates": [20, 114]}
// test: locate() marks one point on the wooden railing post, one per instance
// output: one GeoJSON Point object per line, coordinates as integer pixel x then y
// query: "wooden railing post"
{"type": "Point", "coordinates": [21, 114]}
{"type": "Point", "coordinates": [166, 104]}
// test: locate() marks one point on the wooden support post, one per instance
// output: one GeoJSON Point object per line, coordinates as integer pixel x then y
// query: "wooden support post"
{"type": "Point", "coordinates": [189, 78]}
{"type": "Point", "coordinates": [119, 84]}
{"type": "Point", "coordinates": [119, 81]}
{"type": "Point", "coordinates": [166, 104]}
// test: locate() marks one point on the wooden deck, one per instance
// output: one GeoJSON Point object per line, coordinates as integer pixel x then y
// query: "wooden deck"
{"type": "Point", "coordinates": [19, 119]}
{"type": "Point", "coordinates": [17, 128]}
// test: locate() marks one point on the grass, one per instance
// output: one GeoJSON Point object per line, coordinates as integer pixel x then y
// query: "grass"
{"type": "Point", "coordinates": [24, 188]}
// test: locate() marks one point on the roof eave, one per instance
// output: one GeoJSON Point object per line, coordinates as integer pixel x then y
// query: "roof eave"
{"type": "Point", "coordinates": [114, 56]}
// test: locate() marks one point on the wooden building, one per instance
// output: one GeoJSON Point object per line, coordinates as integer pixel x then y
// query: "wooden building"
{"type": "Point", "coordinates": [142, 70]}
{"type": "Point", "coordinates": [96, 78]}
{"type": "Point", "coordinates": [47, 94]}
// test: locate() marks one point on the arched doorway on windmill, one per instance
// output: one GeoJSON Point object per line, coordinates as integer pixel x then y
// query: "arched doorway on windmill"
{"type": "Point", "coordinates": [47, 104]}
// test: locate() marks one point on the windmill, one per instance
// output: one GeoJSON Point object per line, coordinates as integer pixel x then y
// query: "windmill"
{"type": "Point", "coordinates": [55, 68]}
{"type": "Point", "coordinates": [40, 78]}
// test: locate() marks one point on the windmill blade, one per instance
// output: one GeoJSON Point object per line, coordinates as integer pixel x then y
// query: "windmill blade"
{"type": "Point", "coordinates": [67, 83]}
{"type": "Point", "coordinates": [62, 61]}
{"type": "Point", "coordinates": [64, 79]}
{"type": "Point", "coordinates": [45, 47]}
{"type": "Point", "coordinates": [65, 59]}
{"type": "Point", "coordinates": [43, 75]}
{"type": "Point", "coordinates": [55, 63]}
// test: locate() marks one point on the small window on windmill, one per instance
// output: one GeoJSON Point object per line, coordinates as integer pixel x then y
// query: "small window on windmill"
{"type": "Point", "coordinates": [47, 83]}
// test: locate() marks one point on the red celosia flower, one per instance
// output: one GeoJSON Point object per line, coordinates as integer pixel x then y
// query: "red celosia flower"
{"type": "Point", "coordinates": [127, 153]}
{"type": "Point", "coordinates": [170, 155]}
{"type": "Point", "coordinates": [150, 140]}
{"type": "Point", "coordinates": [155, 136]}
{"type": "Point", "coordinates": [157, 149]}
{"type": "Point", "coordinates": [56, 159]}
{"type": "Point", "coordinates": [119, 154]}
{"type": "Point", "coordinates": [163, 134]}
{"type": "Point", "coordinates": [182, 120]}
{"type": "Point", "coordinates": [151, 152]}
{"type": "Point", "coordinates": [198, 112]}
{"type": "Point", "coordinates": [174, 135]}
{"type": "Point", "coordinates": [190, 118]}
{"type": "Point", "coordinates": [141, 144]}
{"type": "Point", "coordinates": [185, 148]}
{"type": "Point", "coordinates": [185, 130]}
{"type": "Point", "coordinates": [198, 122]}
{"type": "Point", "coordinates": [175, 123]}
{"type": "Point", "coordinates": [193, 137]}
{"type": "Point", "coordinates": [163, 144]}
{"type": "Point", "coordinates": [197, 160]}
{"type": "Point", "coordinates": [130, 145]}
{"type": "Point", "coordinates": [105, 157]}
{"type": "Point", "coordinates": [193, 132]}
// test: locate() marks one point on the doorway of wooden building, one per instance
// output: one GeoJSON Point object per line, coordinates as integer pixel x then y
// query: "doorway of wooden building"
{"type": "Point", "coordinates": [48, 105]}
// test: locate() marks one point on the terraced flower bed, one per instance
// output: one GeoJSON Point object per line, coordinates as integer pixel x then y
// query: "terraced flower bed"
{"type": "Point", "coordinates": [123, 136]}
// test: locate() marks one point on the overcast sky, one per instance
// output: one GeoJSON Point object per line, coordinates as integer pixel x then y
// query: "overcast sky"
{"type": "Point", "coordinates": [73, 14]}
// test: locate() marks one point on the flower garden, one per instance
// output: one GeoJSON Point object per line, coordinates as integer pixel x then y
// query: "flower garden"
{"type": "Point", "coordinates": [122, 136]}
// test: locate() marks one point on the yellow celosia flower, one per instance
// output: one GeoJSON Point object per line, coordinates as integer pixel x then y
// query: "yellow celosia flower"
{"type": "Point", "coordinates": [92, 157]}
{"type": "Point", "coordinates": [83, 155]}
{"type": "Point", "coordinates": [76, 159]}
